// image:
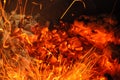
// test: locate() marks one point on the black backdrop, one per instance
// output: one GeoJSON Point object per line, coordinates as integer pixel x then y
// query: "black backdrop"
{"type": "Point", "coordinates": [53, 9]}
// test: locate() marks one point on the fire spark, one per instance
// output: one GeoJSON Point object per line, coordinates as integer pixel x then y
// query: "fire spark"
{"type": "Point", "coordinates": [79, 51]}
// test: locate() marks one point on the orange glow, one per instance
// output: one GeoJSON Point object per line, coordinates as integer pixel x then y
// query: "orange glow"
{"type": "Point", "coordinates": [103, 78]}
{"type": "Point", "coordinates": [82, 52]}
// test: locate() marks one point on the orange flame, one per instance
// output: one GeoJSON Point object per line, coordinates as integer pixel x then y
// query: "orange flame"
{"type": "Point", "coordinates": [80, 53]}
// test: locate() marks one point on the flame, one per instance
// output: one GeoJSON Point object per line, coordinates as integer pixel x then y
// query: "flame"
{"type": "Point", "coordinates": [80, 53]}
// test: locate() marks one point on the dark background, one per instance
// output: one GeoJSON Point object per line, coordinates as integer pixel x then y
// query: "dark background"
{"type": "Point", "coordinates": [52, 10]}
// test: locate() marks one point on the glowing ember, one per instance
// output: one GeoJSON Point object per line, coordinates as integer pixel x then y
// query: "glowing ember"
{"type": "Point", "coordinates": [78, 51]}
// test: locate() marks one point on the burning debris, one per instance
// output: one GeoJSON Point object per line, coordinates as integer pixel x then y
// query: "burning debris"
{"type": "Point", "coordinates": [84, 50]}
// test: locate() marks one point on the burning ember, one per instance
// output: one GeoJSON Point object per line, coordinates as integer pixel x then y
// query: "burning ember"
{"type": "Point", "coordinates": [87, 49]}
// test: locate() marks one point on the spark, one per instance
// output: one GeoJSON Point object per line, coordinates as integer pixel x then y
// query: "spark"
{"type": "Point", "coordinates": [71, 6]}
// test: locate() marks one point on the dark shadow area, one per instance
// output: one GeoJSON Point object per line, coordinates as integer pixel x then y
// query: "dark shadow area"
{"type": "Point", "coordinates": [52, 10]}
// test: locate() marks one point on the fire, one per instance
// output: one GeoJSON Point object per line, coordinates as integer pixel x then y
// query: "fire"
{"type": "Point", "coordinates": [78, 51]}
